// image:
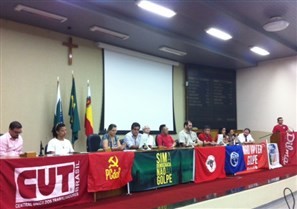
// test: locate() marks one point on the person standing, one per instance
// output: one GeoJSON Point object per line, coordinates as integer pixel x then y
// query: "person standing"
{"type": "Point", "coordinates": [164, 139]}
{"type": "Point", "coordinates": [11, 143]}
{"type": "Point", "coordinates": [132, 138]}
{"type": "Point", "coordinates": [280, 127]}
{"type": "Point", "coordinates": [59, 145]}
{"type": "Point", "coordinates": [187, 137]}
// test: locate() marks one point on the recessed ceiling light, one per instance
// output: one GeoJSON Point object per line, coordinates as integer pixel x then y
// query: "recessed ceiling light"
{"type": "Point", "coordinates": [22, 8]}
{"type": "Point", "coordinates": [109, 32]}
{"type": "Point", "coordinates": [276, 24]}
{"type": "Point", "coordinates": [156, 8]}
{"type": "Point", "coordinates": [172, 51]}
{"type": "Point", "coordinates": [219, 34]}
{"type": "Point", "coordinates": [259, 50]}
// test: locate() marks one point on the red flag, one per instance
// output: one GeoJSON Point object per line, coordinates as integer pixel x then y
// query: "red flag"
{"type": "Point", "coordinates": [210, 163]}
{"type": "Point", "coordinates": [288, 148]}
{"type": "Point", "coordinates": [89, 114]}
{"type": "Point", "coordinates": [109, 170]}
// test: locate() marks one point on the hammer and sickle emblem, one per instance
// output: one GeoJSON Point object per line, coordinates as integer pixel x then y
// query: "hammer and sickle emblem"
{"type": "Point", "coordinates": [113, 162]}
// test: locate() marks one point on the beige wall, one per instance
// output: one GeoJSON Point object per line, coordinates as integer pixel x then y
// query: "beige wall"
{"type": "Point", "coordinates": [30, 61]}
{"type": "Point", "coordinates": [266, 92]}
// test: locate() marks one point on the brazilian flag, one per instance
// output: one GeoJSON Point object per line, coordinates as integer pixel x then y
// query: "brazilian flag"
{"type": "Point", "coordinates": [73, 113]}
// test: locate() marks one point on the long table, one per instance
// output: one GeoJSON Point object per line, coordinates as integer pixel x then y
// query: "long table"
{"type": "Point", "coordinates": [52, 182]}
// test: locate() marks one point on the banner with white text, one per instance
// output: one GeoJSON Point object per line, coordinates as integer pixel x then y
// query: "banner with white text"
{"type": "Point", "coordinates": [45, 182]}
{"type": "Point", "coordinates": [288, 148]}
{"type": "Point", "coordinates": [255, 157]}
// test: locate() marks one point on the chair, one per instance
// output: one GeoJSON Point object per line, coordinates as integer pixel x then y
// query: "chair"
{"type": "Point", "coordinates": [93, 143]}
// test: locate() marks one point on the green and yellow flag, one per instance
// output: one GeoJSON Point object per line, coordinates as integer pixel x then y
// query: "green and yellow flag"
{"type": "Point", "coordinates": [73, 113]}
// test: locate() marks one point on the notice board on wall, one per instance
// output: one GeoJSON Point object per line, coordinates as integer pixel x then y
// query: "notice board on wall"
{"type": "Point", "coordinates": [211, 97]}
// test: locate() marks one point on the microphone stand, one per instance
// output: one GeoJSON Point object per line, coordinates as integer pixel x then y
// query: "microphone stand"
{"type": "Point", "coordinates": [40, 149]}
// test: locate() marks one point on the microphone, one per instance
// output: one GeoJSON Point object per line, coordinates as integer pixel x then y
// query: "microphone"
{"type": "Point", "coordinates": [40, 149]}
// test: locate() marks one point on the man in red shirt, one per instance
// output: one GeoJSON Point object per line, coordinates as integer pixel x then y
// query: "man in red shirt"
{"type": "Point", "coordinates": [164, 139]}
{"type": "Point", "coordinates": [280, 127]}
{"type": "Point", "coordinates": [205, 136]}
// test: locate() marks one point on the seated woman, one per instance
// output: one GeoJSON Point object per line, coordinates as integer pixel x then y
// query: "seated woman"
{"type": "Point", "coordinates": [110, 140]}
{"type": "Point", "coordinates": [59, 145]}
{"type": "Point", "coordinates": [232, 137]}
{"type": "Point", "coordinates": [221, 135]}
{"type": "Point", "coordinates": [222, 138]}
{"type": "Point", "coordinates": [147, 141]}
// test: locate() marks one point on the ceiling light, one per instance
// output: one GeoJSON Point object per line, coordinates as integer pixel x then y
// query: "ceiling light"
{"type": "Point", "coordinates": [276, 24]}
{"type": "Point", "coordinates": [219, 34]}
{"type": "Point", "coordinates": [109, 32]}
{"type": "Point", "coordinates": [155, 8]}
{"type": "Point", "coordinates": [259, 51]}
{"type": "Point", "coordinates": [172, 51]}
{"type": "Point", "coordinates": [22, 8]}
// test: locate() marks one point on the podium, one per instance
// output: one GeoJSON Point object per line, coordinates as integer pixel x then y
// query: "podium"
{"type": "Point", "coordinates": [275, 138]}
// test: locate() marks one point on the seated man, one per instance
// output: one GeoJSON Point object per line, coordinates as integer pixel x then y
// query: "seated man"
{"type": "Point", "coordinates": [11, 143]}
{"type": "Point", "coordinates": [132, 138]}
{"type": "Point", "coordinates": [280, 127]}
{"type": "Point", "coordinates": [147, 141]}
{"type": "Point", "coordinates": [187, 137]}
{"type": "Point", "coordinates": [164, 139]}
{"type": "Point", "coordinates": [246, 137]}
{"type": "Point", "coordinates": [205, 137]}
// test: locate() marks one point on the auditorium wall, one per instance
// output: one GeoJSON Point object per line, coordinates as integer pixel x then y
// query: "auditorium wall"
{"type": "Point", "coordinates": [31, 58]}
{"type": "Point", "coordinates": [266, 92]}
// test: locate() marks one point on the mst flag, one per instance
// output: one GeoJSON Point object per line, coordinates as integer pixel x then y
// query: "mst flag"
{"type": "Point", "coordinates": [210, 163]}
{"type": "Point", "coordinates": [89, 114]}
{"type": "Point", "coordinates": [73, 113]}
{"type": "Point", "coordinates": [58, 117]}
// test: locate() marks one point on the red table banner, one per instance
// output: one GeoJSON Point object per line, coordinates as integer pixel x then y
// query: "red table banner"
{"type": "Point", "coordinates": [255, 157]}
{"type": "Point", "coordinates": [288, 148]}
{"type": "Point", "coordinates": [210, 163]}
{"type": "Point", "coordinates": [109, 170]}
{"type": "Point", "coordinates": [45, 182]}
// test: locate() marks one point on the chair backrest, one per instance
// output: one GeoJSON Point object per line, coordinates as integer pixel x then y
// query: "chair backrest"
{"type": "Point", "coordinates": [93, 143]}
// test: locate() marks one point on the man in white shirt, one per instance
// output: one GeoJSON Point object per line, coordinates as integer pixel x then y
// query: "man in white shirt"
{"type": "Point", "coordinates": [246, 136]}
{"type": "Point", "coordinates": [187, 137]}
{"type": "Point", "coordinates": [132, 138]}
{"type": "Point", "coordinates": [147, 141]}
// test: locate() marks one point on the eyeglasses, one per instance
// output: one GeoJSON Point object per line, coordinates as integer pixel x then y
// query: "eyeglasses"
{"type": "Point", "coordinates": [135, 129]}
